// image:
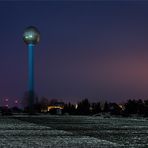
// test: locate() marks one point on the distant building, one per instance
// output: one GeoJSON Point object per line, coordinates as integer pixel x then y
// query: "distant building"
{"type": "Point", "coordinates": [55, 108]}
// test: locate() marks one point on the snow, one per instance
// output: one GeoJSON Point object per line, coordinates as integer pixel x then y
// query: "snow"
{"type": "Point", "coordinates": [72, 132]}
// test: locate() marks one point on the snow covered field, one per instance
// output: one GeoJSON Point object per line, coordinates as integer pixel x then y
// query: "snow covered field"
{"type": "Point", "coordinates": [72, 131]}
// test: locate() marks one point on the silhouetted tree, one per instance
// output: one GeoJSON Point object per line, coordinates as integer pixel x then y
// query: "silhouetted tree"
{"type": "Point", "coordinates": [44, 103]}
{"type": "Point", "coordinates": [37, 107]}
{"type": "Point", "coordinates": [146, 108]}
{"type": "Point", "coordinates": [25, 101]}
{"type": "Point", "coordinates": [140, 107]}
{"type": "Point", "coordinates": [29, 103]}
{"type": "Point", "coordinates": [106, 107]}
{"type": "Point", "coordinates": [131, 107]}
{"type": "Point", "coordinates": [69, 108]}
{"type": "Point", "coordinates": [16, 110]}
{"type": "Point", "coordinates": [96, 108]}
{"type": "Point", "coordinates": [83, 107]}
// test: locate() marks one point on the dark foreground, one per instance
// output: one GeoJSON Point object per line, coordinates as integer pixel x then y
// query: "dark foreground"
{"type": "Point", "coordinates": [72, 131]}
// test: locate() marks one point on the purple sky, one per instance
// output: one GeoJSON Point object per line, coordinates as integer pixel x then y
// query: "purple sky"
{"type": "Point", "coordinates": [88, 49]}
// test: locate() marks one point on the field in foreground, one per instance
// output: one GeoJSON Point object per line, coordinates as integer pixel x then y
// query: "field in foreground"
{"type": "Point", "coordinates": [72, 131]}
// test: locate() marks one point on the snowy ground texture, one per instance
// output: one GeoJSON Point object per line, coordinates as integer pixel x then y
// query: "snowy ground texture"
{"type": "Point", "coordinates": [72, 132]}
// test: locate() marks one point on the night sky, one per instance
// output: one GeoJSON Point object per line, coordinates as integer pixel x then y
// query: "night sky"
{"type": "Point", "coordinates": [97, 50]}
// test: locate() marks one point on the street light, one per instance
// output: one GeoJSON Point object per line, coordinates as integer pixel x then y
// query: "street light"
{"type": "Point", "coordinates": [31, 37]}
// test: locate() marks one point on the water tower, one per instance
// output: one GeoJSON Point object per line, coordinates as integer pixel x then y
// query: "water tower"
{"type": "Point", "coordinates": [31, 37]}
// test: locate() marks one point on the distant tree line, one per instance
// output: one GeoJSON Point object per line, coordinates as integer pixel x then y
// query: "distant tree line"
{"type": "Point", "coordinates": [84, 107]}
{"type": "Point", "coordinates": [131, 107]}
